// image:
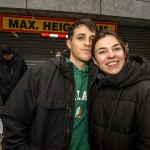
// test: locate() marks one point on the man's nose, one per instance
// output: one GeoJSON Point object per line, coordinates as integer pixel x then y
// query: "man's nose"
{"type": "Point", "coordinates": [88, 41]}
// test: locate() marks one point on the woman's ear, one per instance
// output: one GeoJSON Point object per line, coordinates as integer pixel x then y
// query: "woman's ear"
{"type": "Point", "coordinates": [95, 62]}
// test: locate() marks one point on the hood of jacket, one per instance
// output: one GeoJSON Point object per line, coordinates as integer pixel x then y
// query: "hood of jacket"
{"type": "Point", "coordinates": [136, 69]}
{"type": "Point", "coordinates": [60, 62]}
{"type": "Point", "coordinates": [15, 58]}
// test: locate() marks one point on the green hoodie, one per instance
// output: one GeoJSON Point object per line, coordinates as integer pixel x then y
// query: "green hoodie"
{"type": "Point", "coordinates": [79, 140]}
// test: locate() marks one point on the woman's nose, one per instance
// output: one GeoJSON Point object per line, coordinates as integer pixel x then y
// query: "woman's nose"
{"type": "Point", "coordinates": [111, 54]}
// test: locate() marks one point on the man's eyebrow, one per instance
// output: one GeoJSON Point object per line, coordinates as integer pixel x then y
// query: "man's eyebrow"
{"type": "Point", "coordinates": [80, 34]}
{"type": "Point", "coordinates": [84, 34]}
{"type": "Point", "coordinates": [92, 35]}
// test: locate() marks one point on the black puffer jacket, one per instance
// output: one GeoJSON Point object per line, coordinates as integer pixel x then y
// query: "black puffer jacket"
{"type": "Point", "coordinates": [121, 114]}
{"type": "Point", "coordinates": [40, 111]}
{"type": "Point", "coordinates": [10, 73]}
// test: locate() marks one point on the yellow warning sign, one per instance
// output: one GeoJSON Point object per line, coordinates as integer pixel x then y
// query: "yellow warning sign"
{"type": "Point", "coordinates": [11, 23]}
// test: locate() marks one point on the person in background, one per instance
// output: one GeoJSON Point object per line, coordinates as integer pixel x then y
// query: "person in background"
{"type": "Point", "coordinates": [121, 104]}
{"type": "Point", "coordinates": [48, 108]}
{"type": "Point", "coordinates": [58, 54]}
{"type": "Point", "coordinates": [12, 68]}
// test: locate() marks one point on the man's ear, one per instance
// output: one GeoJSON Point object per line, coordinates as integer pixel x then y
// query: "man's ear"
{"type": "Point", "coordinates": [68, 42]}
{"type": "Point", "coordinates": [95, 62]}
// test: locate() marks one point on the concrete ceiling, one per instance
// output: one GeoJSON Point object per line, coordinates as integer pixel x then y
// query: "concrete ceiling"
{"type": "Point", "coordinates": [66, 15]}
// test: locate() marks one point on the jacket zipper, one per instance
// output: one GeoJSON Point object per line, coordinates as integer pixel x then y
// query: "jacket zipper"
{"type": "Point", "coordinates": [70, 115]}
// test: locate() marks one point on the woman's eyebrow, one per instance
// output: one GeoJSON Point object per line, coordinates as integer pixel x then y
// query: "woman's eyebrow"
{"type": "Point", "coordinates": [118, 44]}
{"type": "Point", "coordinates": [101, 48]}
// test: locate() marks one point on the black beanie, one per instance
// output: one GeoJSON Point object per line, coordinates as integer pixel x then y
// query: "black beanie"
{"type": "Point", "coordinates": [5, 49]}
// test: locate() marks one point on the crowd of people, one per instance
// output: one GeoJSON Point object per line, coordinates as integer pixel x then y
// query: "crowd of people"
{"type": "Point", "coordinates": [95, 96]}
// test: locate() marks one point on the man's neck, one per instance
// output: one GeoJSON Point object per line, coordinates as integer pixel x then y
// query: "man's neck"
{"type": "Point", "coordinates": [80, 65]}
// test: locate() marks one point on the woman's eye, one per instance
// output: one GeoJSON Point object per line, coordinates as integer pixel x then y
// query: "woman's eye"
{"type": "Point", "coordinates": [101, 52]}
{"type": "Point", "coordinates": [117, 49]}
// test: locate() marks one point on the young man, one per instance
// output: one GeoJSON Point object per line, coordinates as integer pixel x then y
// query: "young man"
{"type": "Point", "coordinates": [12, 68]}
{"type": "Point", "coordinates": [48, 108]}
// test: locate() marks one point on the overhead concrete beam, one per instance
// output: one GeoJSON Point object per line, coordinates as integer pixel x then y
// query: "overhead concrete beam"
{"type": "Point", "coordinates": [80, 6]}
{"type": "Point", "coordinates": [127, 12]}
{"type": "Point", "coordinates": [13, 4]}
{"type": "Point", "coordinates": [126, 8]}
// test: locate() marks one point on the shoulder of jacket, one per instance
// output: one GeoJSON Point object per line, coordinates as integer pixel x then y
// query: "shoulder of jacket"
{"type": "Point", "coordinates": [46, 65]}
{"type": "Point", "coordinates": [17, 58]}
{"type": "Point", "coordinates": [143, 85]}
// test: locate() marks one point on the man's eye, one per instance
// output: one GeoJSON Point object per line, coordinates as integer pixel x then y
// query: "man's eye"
{"type": "Point", "coordinates": [92, 38]}
{"type": "Point", "coordinates": [80, 38]}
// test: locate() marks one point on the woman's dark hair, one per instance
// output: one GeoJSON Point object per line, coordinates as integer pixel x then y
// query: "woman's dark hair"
{"type": "Point", "coordinates": [104, 33]}
{"type": "Point", "coordinates": [125, 41]}
{"type": "Point", "coordinates": [91, 25]}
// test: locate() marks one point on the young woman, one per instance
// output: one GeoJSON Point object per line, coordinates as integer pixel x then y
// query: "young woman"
{"type": "Point", "coordinates": [121, 109]}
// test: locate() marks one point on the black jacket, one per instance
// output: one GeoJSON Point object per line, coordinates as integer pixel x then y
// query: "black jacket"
{"type": "Point", "coordinates": [10, 73]}
{"type": "Point", "coordinates": [40, 111]}
{"type": "Point", "coordinates": [121, 113]}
